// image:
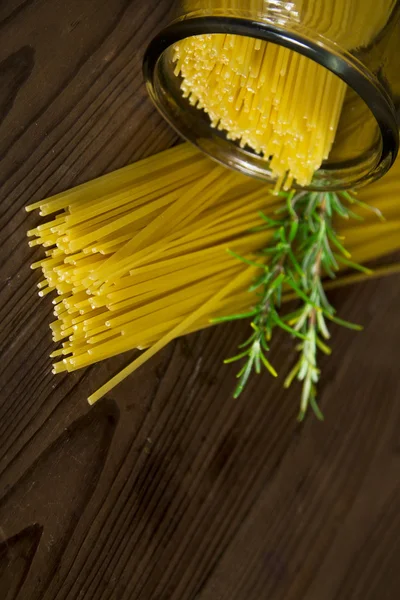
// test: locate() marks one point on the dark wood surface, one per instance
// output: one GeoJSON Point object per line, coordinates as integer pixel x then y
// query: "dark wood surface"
{"type": "Point", "coordinates": [169, 489]}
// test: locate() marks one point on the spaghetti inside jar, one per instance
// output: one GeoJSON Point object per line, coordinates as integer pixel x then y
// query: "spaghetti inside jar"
{"type": "Point", "coordinates": [290, 93]}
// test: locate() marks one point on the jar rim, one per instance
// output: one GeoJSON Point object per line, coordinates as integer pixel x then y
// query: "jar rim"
{"type": "Point", "coordinates": [351, 71]}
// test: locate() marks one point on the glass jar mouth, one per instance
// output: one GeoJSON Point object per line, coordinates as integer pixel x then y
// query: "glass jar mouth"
{"type": "Point", "coordinates": [345, 66]}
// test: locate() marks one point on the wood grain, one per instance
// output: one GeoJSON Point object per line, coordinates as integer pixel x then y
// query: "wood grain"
{"type": "Point", "coordinates": [169, 489]}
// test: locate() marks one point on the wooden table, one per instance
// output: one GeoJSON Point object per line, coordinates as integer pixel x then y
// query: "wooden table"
{"type": "Point", "coordinates": [169, 488]}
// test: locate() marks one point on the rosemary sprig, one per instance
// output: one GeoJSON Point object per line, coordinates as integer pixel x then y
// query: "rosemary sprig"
{"type": "Point", "coordinates": [305, 248]}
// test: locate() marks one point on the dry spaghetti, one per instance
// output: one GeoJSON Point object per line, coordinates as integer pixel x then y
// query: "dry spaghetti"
{"type": "Point", "coordinates": [281, 104]}
{"type": "Point", "coordinates": [269, 99]}
{"type": "Point", "coordinates": [136, 263]}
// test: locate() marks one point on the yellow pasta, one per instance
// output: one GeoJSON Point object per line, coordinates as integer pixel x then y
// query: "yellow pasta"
{"type": "Point", "coordinates": [282, 105]}
{"type": "Point", "coordinates": [170, 271]}
{"type": "Point", "coordinates": [272, 100]}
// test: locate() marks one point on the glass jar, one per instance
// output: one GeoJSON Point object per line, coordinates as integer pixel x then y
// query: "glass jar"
{"type": "Point", "coordinates": [354, 39]}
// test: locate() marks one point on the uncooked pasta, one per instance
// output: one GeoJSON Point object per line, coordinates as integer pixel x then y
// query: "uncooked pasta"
{"type": "Point", "coordinates": [135, 261]}
{"type": "Point", "coordinates": [278, 103]}
{"type": "Point", "coordinates": [267, 98]}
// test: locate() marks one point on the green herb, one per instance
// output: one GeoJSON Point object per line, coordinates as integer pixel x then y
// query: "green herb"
{"type": "Point", "coordinates": [304, 250]}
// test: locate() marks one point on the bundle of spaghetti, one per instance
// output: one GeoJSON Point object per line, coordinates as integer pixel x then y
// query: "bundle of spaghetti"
{"type": "Point", "coordinates": [170, 219]}
{"type": "Point", "coordinates": [282, 105]}
{"type": "Point", "coordinates": [135, 265]}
